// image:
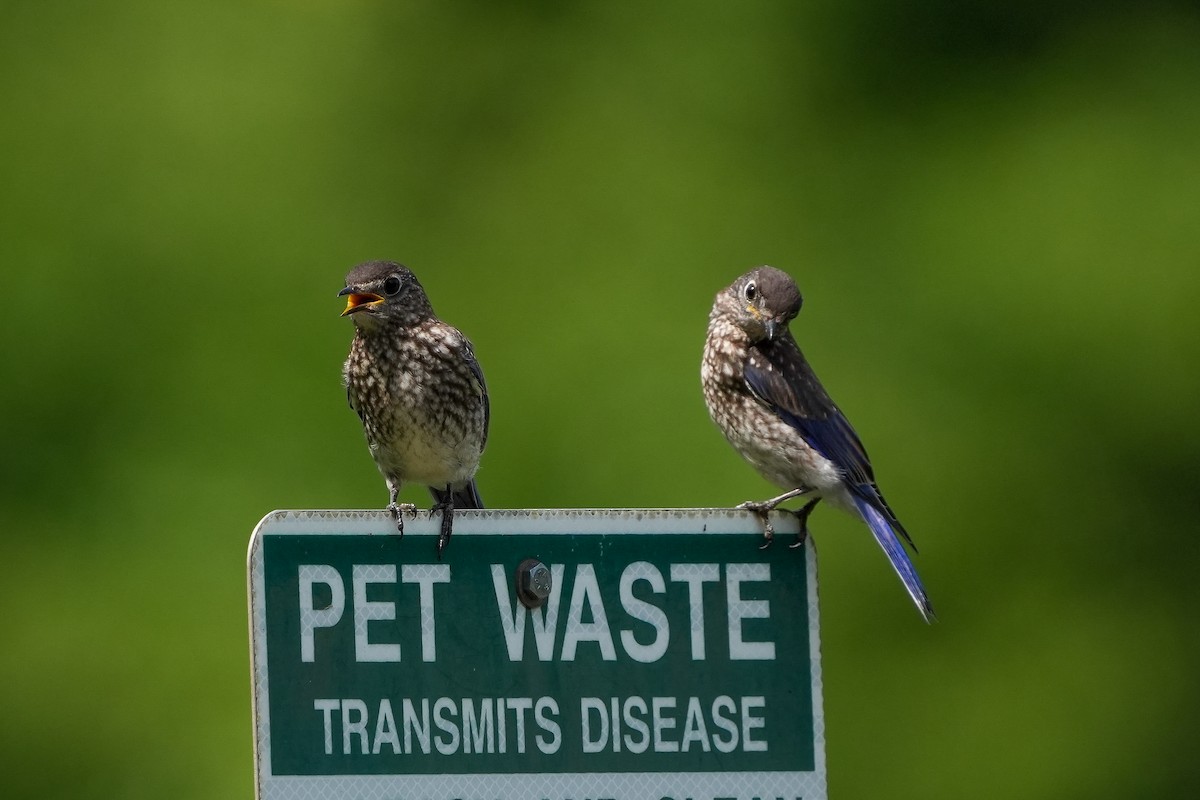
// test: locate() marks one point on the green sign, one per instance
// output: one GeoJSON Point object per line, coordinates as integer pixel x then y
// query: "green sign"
{"type": "Point", "coordinates": [669, 658]}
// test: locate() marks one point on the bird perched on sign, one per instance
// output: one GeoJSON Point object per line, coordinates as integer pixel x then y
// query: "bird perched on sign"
{"type": "Point", "coordinates": [418, 390]}
{"type": "Point", "coordinates": [766, 399]}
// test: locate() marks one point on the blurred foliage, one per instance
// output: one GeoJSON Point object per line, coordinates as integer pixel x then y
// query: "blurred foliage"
{"type": "Point", "coordinates": [991, 208]}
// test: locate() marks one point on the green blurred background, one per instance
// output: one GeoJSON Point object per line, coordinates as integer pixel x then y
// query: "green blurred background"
{"type": "Point", "coordinates": [992, 211]}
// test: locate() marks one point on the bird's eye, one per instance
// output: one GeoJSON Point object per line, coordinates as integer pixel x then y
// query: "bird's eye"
{"type": "Point", "coordinates": [751, 291]}
{"type": "Point", "coordinates": [391, 286]}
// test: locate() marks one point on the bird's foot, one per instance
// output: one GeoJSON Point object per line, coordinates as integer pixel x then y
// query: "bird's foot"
{"type": "Point", "coordinates": [398, 510]}
{"type": "Point", "coordinates": [763, 508]}
{"type": "Point", "coordinates": [447, 509]}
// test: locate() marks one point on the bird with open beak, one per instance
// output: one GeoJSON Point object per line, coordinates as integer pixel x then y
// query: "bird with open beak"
{"type": "Point", "coordinates": [418, 389]}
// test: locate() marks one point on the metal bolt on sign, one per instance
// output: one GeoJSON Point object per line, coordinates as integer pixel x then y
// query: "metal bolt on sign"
{"type": "Point", "coordinates": [534, 583]}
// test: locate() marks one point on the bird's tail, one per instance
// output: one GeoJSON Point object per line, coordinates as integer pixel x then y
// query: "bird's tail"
{"type": "Point", "coordinates": [463, 497]}
{"type": "Point", "coordinates": [885, 534]}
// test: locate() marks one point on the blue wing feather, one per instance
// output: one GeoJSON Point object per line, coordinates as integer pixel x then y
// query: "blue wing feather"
{"type": "Point", "coordinates": [779, 376]}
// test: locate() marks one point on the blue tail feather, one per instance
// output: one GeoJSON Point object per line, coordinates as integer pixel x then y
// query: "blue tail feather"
{"type": "Point", "coordinates": [885, 534]}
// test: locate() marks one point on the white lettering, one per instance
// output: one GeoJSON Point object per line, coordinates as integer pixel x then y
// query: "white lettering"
{"type": "Point", "coordinates": [312, 618]}
{"type": "Point", "coordinates": [367, 610]}
{"type": "Point", "coordinates": [548, 744]}
{"type": "Point", "coordinates": [615, 715]}
{"type": "Point", "coordinates": [751, 722]}
{"type": "Point", "coordinates": [501, 727]}
{"type": "Point", "coordinates": [418, 725]}
{"type": "Point", "coordinates": [478, 730]}
{"type": "Point", "coordinates": [586, 706]}
{"type": "Point", "coordinates": [696, 575]}
{"type": "Point", "coordinates": [662, 723]}
{"type": "Point", "coordinates": [587, 589]}
{"type": "Point", "coordinates": [327, 707]}
{"type": "Point", "coordinates": [425, 576]}
{"type": "Point", "coordinates": [725, 723]}
{"type": "Point", "coordinates": [385, 728]}
{"type": "Point", "coordinates": [694, 729]}
{"type": "Point", "coordinates": [466, 725]}
{"type": "Point", "coordinates": [644, 612]}
{"type": "Point", "coordinates": [521, 705]}
{"type": "Point", "coordinates": [739, 610]}
{"type": "Point", "coordinates": [449, 743]}
{"type": "Point", "coordinates": [354, 727]}
{"type": "Point", "coordinates": [637, 724]}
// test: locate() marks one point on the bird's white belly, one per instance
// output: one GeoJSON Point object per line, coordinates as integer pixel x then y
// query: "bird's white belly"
{"type": "Point", "coordinates": [417, 455]}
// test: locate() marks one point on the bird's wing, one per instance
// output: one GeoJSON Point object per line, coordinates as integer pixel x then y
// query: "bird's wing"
{"type": "Point", "coordinates": [477, 373]}
{"type": "Point", "coordinates": [780, 377]}
{"type": "Point", "coordinates": [346, 383]}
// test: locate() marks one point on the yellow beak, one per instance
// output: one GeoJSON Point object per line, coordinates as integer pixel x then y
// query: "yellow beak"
{"type": "Point", "coordinates": [359, 301]}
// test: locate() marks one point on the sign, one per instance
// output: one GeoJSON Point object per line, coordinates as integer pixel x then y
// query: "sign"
{"type": "Point", "coordinates": [671, 658]}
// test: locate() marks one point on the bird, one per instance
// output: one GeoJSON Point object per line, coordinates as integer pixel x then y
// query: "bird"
{"type": "Point", "coordinates": [767, 401]}
{"type": "Point", "coordinates": [418, 389]}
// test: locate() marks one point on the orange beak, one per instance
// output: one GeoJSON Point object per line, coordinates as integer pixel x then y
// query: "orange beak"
{"type": "Point", "coordinates": [358, 301]}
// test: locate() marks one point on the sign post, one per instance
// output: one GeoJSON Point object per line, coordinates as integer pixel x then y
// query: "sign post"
{"type": "Point", "coordinates": [667, 658]}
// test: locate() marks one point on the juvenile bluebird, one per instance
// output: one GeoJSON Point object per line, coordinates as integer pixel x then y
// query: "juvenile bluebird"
{"type": "Point", "coordinates": [766, 399]}
{"type": "Point", "coordinates": [418, 390]}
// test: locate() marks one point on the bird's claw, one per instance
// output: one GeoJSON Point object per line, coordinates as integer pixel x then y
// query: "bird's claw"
{"type": "Point", "coordinates": [398, 510]}
{"type": "Point", "coordinates": [447, 509]}
{"type": "Point", "coordinates": [802, 518]}
{"type": "Point", "coordinates": [763, 508]}
{"type": "Point", "coordinates": [763, 512]}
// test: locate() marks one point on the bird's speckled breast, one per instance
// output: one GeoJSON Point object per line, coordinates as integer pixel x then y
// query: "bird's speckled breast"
{"type": "Point", "coordinates": [422, 407]}
{"type": "Point", "coordinates": [769, 444]}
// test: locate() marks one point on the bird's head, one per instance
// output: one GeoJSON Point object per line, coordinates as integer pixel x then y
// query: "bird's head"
{"type": "Point", "coordinates": [762, 303]}
{"type": "Point", "coordinates": [381, 292]}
